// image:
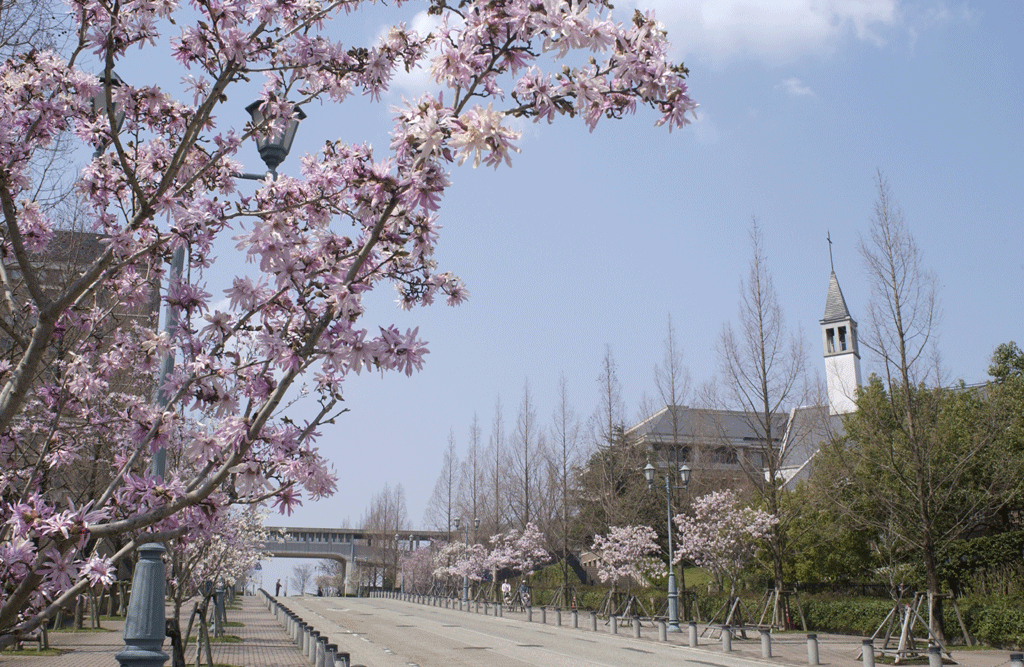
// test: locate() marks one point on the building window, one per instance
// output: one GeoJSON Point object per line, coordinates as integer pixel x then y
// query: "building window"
{"type": "Point", "coordinates": [830, 341]}
{"type": "Point", "coordinates": [842, 338]}
{"type": "Point", "coordinates": [724, 456]}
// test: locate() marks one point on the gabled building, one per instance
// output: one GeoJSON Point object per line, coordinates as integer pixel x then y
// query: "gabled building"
{"type": "Point", "coordinates": [728, 448]}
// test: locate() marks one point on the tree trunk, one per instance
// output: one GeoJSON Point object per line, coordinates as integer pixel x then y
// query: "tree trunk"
{"type": "Point", "coordinates": [934, 595]}
{"type": "Point", "coordinates": [173, 631]}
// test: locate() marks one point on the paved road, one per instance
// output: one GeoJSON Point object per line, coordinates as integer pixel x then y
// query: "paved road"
{"type": "Point", "coordinates": [389, 633]}
{"type": "Point", "coordinates": [380, 632]}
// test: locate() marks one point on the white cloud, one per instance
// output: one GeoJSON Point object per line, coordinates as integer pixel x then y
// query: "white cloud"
{"type": "Point", "coordinates": [775, 30]}
{"type": "Point", "coordinates": [704, 129]}
{"type": "Point", "coordinates": [795, 87]}
{"type": "Point", "coordinates": [418, 80]}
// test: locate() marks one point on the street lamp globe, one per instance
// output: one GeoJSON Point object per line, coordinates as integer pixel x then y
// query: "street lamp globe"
{"type": "Point", "coordinates": [649, 474]}
{"type": "Point", "coordinates": [274, 148]}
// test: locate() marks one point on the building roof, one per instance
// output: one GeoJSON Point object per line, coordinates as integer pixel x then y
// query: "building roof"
{"type": "Point", "coordinates": [835, 304]}
{"type": "Point", "coordinates": [702, 423]}
{"type": "Point", "coordinates": [798, 433]}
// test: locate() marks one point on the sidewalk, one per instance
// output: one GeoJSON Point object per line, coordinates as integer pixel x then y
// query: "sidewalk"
{"type": "Point", "coordinates": [264, 644]}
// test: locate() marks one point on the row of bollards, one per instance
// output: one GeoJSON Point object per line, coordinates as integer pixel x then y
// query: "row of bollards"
{"type": "Point", "coordinates": [867, 652]}
{"type": "Point", "coordinates": [317, 648]}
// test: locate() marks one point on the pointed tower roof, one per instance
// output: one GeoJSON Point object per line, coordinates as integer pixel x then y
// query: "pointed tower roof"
{"type": "Point", "coordinates": [835, 304]}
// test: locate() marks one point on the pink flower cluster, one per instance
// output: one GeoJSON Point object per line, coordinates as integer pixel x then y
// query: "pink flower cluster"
{"type": "Point", "coordinates": [75, 383]}
{"type": "Point", "coordinates": [626, 552]}
{"type": "Point", "coordinates": [721, 535]}
{"type": "Point", "coordinates": [520, 551]}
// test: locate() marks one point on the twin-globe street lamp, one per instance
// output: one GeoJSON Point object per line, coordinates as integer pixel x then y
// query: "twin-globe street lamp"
{"type": "Point", "coordinates": [144, 628]}
{"type": "Point", "coordinates": [465, 548]}
{"type": "Point", "coordinates": [673, 594]}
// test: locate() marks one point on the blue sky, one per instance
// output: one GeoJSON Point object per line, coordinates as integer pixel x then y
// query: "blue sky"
{"type": "Point", "coordinates": [593, 239]}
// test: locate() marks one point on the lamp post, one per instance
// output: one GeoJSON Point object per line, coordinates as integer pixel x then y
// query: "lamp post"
{"type": "Point", "coordinates": [673, 594]}
{"type": "Point", "coordinates": [145, 628]}
{"type": "Point", "coordinates": [465, 548]}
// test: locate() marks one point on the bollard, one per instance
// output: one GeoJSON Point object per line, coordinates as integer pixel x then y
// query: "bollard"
{"type": "Point", "coordinates": [299, 629]}
{"type": "Point", "coordinates": [615, 624]}
{"type": "Point", "coordinates": [543, 615]}
{"type": "Point", "coordinates": [343, 659]}
{"type": "Point", "coordinates": [812, 649]}
{"type": "Point", "coordinates": [307, 631]}
{"type": "Point", "coordinates": [662, 631]}
{"type": "Point", "coordinates": [558, 617]}
{"type": "Point", "coordinates": [867, 653]}
{"type": "Point", "coordinates": [314, 639]}
{"type": "Point", "coordinates": [934, 656]}
{"type": "Point", "coordinates": [529, 614]}
{"type": "Point", "coordinates": [487, 608]}
{"type": "Point", "coordinates": [478, 606]}
{"type": "Point", "coordinates": [766, 643]}
{"type": "Point", "coordinates": [726, 639]}
{"type": "Point", "coordinates": [636, 627]}
{"type": "Point", "coordinates": [499, 610]}
{"type": "Point", "coordinates": [693, 634]}
{"type": "Point", "coordinates": [330, 655]}
{"type": "Point", "coordinates": [593, 621]}
{"type": "Point", "coordinates": [321, 653]}
{"type": "Point", "coordinates": [1017, 660]}
{"type": "Point", "coordinates": [575, 619]}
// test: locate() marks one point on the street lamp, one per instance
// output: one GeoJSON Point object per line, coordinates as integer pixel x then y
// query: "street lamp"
{"type": "Point", "coordinates": [99, 106]}
{"type": "Point", "coordinates": [144, 628]}
{"type": "Point", "coordinates": [274, 148]}
{"type": "Point", "coordinates": [673, 594]}
{"type": "Point", "coordinates": [465, 548]}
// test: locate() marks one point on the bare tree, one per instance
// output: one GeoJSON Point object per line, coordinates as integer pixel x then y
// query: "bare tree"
{"type": "Point", "coordinates": [611, 489]}
{"type": "Point", "coordinates": [526, 454]}
{"type": "Point", "coordinates": [762, 370]}
{"type": "Point", "coordinates": [471, 487]}
{"type": "Point", "coordinates": [904, 309]}
{"type": "Point", "coordinates": [672, 381]}
{"type": "Point", "coordinates": [564, 461]}
{"type": "Point", "coordinates": [386, 517]}
{"type": "Point", "coordinates": [302, 575]}
{"type": "Point", "coordinates": [897, 432]}
{"type": "Point", "coordinates": [440, 511]}
{"type": "Point", "coordinates": [495, 520]}
{"type": "Point", "coordinates": [331, 577]}
{"type": "Point", "coordinates": [607, 421]}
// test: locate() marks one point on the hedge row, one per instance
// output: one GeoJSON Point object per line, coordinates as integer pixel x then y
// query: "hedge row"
{"type": "Point", "coordinates": [996, 622]}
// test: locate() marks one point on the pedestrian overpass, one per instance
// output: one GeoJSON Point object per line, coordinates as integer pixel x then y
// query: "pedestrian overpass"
{"type": "Point", "coordinates": [349, 546]}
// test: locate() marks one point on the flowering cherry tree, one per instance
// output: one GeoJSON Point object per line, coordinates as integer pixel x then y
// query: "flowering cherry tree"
{"type": "Point", "coordinates": [627, 552]}
{"type": "Point", "coordinates": [418, 569]}
{"type": "Point", "coordinates": [226, 549]}
{"type": "Point", "coordinates": [520, 551]}
{"type": "Point", "coordinates": [293, 327]}
{"type": "Point", "coordinates": [721, 535]}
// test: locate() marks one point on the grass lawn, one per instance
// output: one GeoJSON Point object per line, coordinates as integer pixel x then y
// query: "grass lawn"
{"type": "Point", "coordinates": [28, 652]}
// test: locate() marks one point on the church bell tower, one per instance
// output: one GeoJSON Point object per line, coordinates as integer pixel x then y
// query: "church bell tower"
{"type": "Point", "coordinates": [842, 355]}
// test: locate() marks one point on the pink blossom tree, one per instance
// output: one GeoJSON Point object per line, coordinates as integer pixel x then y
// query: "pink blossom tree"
{"type": "Point", "coordinates": [350, 221]}
{"type": "Point", "coordinates": [721, 535]}
{"type": "Point", "coordinates": [418, 569]}
{"type": "Point", "coordinates": [226, 549]}
{"type": "Point", "coordinates": [521, 551]}
{"type": "Point", "coordinates": [627, 552]}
